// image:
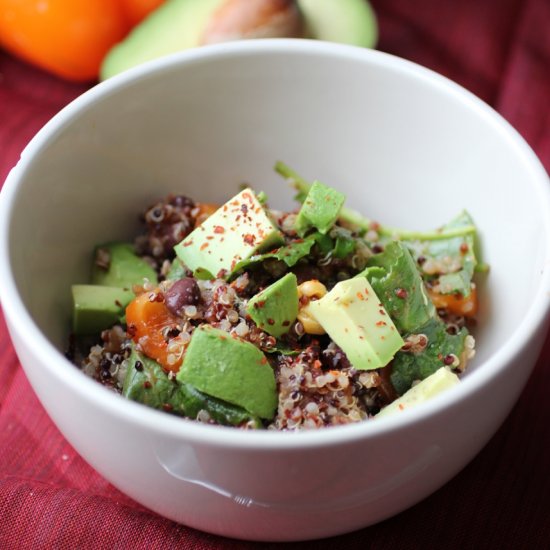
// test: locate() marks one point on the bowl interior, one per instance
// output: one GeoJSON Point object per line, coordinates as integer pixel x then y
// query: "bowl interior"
{"type": "Point", "coordinates": [407, 147]}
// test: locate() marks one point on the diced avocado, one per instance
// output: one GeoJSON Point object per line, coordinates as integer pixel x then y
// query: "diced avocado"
{"type": "Point", "coordinates": [437, 382]}
{"type": "Point", "coordinates": [179, 24]}
{"type": "Point", "coordinates": [230, 369]}
{"type": "Point", "coordinates": [345, 21]}
{"type": "Point", "coordinates": [96, 308]}
{"type": "Point", "coordinates": [275, 308]}
{"type": "Point", "coordinates": [320, 209]}
{"type": "Point", "coordinates": [117, 264]}
{"type": "Point", "coordinates": [354, 318]}
{"type": "Point", "coordinates": [235, 232]}
{"type": "Point", "coordinates": [147, 383]}
{"type": "Point", "coordinates": [175, 25]}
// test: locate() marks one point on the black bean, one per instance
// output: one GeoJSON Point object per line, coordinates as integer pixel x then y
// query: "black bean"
{"type": "Point", "coordinates": [184, 292]}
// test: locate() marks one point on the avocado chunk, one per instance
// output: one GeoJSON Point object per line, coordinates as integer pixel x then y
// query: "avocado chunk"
{"type": "Point", "coordinates": [320, 209]}
{"type": "Point", "coordinates": [437, 382]}
{"type": "Point", "coordinates": [230, 369]}
{"type": "Point", "coordinates": [352, 315]}
{"type": "Point", "coordinates": [146, 382]}
{"type": "Point", "coordinates": [275, 308]}
{"type": "Point", "coordinates": [179, 24]}
{"type": "Point", "coordinates": [117, 264]}
{"type": "Point", "coordinates": [96, 308]}
{"type": "Point", "coordinates": [235, 232]}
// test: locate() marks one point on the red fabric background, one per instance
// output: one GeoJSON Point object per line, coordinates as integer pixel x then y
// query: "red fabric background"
{"type": "Point", "coordinates": [50, 498]}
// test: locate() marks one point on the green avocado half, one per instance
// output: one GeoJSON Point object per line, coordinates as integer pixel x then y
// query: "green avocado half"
{"type": "Point", "coordinates": [178, 25]}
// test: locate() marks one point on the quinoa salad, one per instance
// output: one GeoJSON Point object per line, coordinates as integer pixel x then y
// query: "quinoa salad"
{"type": "Point", "coordinates": [241, 315]}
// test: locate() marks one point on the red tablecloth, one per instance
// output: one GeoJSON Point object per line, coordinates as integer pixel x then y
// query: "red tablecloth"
{"type": "Point", "coordinates": [50, 498]}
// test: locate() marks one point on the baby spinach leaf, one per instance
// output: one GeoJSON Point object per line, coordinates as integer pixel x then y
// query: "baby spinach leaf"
{"type": "Point", "coordinates": [455, 254]}
{"type": "Point", "coordinates": [147, 383]}
{"type": "Point", "coordinates": [408, 367]}
{"type": "Point", "coordinates": [400, 287]}
{"type": "Point", "coordinates": [289, 254]}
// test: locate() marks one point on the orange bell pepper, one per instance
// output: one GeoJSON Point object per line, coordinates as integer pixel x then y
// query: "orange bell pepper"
{"type": "Point", "coordinates": [147, 324]}
{"type": "Point", "coordinates": [457, 304]}
{"type": "Point", "coordinates": [136, 10]}
{"type": "Point", "coordinates": [66, 37]}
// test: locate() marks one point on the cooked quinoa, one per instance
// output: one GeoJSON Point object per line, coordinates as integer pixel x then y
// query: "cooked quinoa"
{"type": "Point", "coordinates": [316, 384]}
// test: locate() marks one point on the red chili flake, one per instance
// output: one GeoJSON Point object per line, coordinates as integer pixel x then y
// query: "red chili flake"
{"type": "Point", "coordinates": [219, 229]}
{"type": "Point", "coordinates": [286, 323]}
{"type": "Point", "coordinates": [249, 239]}
{"type": "Point", "coordinates": [131, 330]}
{"type": "Point", "coordinates": [188, 243]}
{"type": "Point", "coordinates": [401, 406]}
{"type": "Point", "coordinates": [244, 209]}
{"type": "Point", "coordinates": [235, 203]}
{"type": "Point", "coordinates": [381, 324]}
{"type": "Point", "coordinates": [263, 361]}
{"type": "Point", "coordinates": [375, 226]}
{"type": "Point", "coordinates": [401, 293]}
{"type": "Point", "coordinates": [464, 248]}
{"type": "Point", "coordinates": [247, 196]}
{"type": "Point", "coordinates": [382, 312]}
{"type": "Point", "coordinates": [222, 272]}
{"type": "Point", "coordinates": [360, 296]}
{"type": "Point", "coordinates": [258, 210]}
{"type": "Point", "coordinates": [118, 304]}
{"type": "Point", "coordinates": [270, 321]}
{"type": "Point", "coordinates": [167, 407]}
{"type": "Point", "coordinates": [147, 385]}
{"type": "Point", "coordinates": [317, 364]}
{"type": "Point", "coordinates": [209, 237]}
{"type": "Point", "coordinates": [203, 246]}
{"type": "Point", "coordinates": [225, 207]}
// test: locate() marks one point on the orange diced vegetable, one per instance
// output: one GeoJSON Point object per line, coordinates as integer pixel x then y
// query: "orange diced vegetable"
{"type": "Point", "coordinates": [456, 303]}
{"type": "Point", "coordinates": [148, 323]}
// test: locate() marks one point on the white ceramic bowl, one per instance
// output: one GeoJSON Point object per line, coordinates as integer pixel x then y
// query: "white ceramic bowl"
{"type": "Point", "coordinates": [407, 146]}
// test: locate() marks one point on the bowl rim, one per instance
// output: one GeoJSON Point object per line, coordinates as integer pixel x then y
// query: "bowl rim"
{"type": "Point", "coordinates": [21, 322]}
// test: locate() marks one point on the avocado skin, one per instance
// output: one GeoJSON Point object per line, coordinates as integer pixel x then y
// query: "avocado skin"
{"type": "Point", "coordinates": [230, 369]}
{"type": "Point", "coordinates": [174, 26]}
{"type": "Point", "coordinates": [178, 25]}
{"type": "Point", "coordinates": [275, 308]}
{"type": "Point", "coordinates": [345, 21]}
{"type": "Point", "coordinates": [151, 386]}
{"type": "Point", "coordinates": [96, 308]}
{"type": "Point", "coordinates": [125, 268]}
